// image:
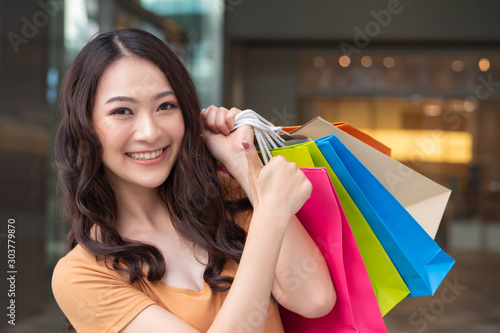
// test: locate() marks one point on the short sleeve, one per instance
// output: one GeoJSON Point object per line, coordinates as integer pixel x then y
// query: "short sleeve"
{"type": "Point", "coordinates": [93, 297]}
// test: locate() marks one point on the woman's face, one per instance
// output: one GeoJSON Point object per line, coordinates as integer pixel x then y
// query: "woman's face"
{"type": "Point", "coordinates": [139, 124]}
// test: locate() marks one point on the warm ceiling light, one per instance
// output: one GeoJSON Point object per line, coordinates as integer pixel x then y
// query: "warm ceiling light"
{"type": "Point", "coordinates": [457, 66]}
{"type": "Point", "coordinates": [484, 64]}
{"type": "Point", "coordinates": [389, 62]}
{"type": "Point", "coordinates": [319, 61]}
{"type": "Point", "coordinates": [366, 61]}
{"type": "Point", "coordinates": [432, 110]}
{"type": "Point", "coordinates": [344, 61]}
{"type": "Point", "coordinates": [469, 106]}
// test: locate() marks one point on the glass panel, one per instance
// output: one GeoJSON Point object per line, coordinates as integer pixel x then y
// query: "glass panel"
{"type": "Point", "coordinates": [437, 110]}
{"type": "Point", "coordinates": [202, 21]}
{"type": "Point", "coordinates": [395, 73]}
{"type": "Point", "coordinates": [412, 131]}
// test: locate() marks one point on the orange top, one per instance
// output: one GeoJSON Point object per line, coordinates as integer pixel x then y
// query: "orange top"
{"type": "Point", "coordinates": [97, 299]}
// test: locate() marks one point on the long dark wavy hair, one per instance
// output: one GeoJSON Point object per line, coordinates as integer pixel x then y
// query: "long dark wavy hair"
{"type": "Point", "coordinates": [192, 192]}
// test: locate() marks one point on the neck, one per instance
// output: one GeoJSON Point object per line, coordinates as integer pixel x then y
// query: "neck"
{"type": "Point", "coordinates": [140, 211]}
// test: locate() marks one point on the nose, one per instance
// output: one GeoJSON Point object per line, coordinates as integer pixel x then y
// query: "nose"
{"type": "Point", "coordinates": [146, 128]}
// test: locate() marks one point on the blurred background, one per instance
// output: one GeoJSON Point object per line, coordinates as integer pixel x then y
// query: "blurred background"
{"type": "Point", "coordinates": [421, 76]}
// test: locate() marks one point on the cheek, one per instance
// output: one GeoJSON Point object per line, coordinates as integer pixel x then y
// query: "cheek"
{"type": "Point", "coordinates": [177, 128]}
{"type": "Point", "coordinates": [111, 136]}
{"type": "Point", "coordinates": [181, 130]}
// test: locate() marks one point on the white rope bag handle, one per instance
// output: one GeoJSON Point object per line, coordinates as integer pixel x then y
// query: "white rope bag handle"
{"type": "Point", "coordinates": [267, 135]}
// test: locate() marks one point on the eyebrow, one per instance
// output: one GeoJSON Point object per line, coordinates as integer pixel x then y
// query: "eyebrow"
{"type": "Point", "coordinates": [133, 100]}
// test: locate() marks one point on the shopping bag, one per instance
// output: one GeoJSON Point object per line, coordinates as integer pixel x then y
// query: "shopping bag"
{"type": "Point", "coordinates": [387, 284]}
{"type": "Point", "coordinates": [424, 199]}
{"type": "Point", "coordinates": [356, 308]}
{"type": "Point", "coordinates": [353, 132]}
{"type": "Point", "coordinates": [386, 281]}
{"type": "Point", "coordinates": [419, 260]}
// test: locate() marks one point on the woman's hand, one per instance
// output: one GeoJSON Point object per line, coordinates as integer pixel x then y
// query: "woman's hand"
{"type": "Point", "coordinates": [225, 145]}
{"type": "Point", "coordinates": [280, 188]}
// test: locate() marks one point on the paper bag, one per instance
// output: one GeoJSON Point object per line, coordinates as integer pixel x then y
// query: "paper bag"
{"type": "Point", "coordinates": [419, 260]}
{"type": "Point", "coordinates": [386, 281]}
{"type": "Point", "coordinates": [356, 308]}
{"type": "Point", "coordinates": [353, 132]}
{"type": "Point", "coordinates": [424, 199]}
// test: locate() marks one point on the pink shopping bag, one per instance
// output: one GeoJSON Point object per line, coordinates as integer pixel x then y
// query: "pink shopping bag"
{"type": "Point", "coordinates": [356, 309]}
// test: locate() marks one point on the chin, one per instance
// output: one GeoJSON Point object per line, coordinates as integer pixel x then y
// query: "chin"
{"type": "Point", "coordinates": [152, 182]}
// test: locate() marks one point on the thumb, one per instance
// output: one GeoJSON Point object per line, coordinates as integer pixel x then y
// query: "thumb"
{"type": "Point", "coordinates": [254, 162]}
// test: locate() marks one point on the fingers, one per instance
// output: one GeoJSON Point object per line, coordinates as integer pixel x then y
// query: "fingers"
{"type": "Point", "coordinates": [211, 118]}
{"type": "Point", "coordinates": [253, 160]}
{"type": "Point", "coordinates": [219, 119]}
{"type": "Point", "coordinates": [230, 117]}
{"type": "Point", "coordinates": [293, 183]}
{"type": "Point", "coordinates": [280, 185]}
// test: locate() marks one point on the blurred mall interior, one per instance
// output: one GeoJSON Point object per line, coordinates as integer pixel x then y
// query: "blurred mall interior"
{"type": "Point", "coordinates": [423, 77]}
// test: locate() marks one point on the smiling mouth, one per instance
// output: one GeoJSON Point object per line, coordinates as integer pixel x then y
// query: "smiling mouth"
{"type": "Point", "coordinates": [146, 156]}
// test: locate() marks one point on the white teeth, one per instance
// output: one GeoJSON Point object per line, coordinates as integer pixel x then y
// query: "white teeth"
{"type": "Point", "coordinates": [146, 156]}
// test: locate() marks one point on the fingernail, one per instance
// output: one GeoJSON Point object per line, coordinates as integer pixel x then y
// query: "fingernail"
{"type": "Point", "coordinates": [245, 145]}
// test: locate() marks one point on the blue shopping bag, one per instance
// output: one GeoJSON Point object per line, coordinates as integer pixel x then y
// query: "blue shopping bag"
{"type": "Point", "coordinates": [421, 262]}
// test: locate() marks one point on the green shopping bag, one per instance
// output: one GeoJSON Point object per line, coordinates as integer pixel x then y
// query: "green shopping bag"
{"type": "Point", "coordinates": [417, 257]}
{"type": "Point", "coordinates": [388, 286]}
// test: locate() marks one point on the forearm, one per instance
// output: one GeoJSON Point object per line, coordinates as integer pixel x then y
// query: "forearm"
{"type": "Point", "coordinates": [239, 176]}
{"type": "Point", "coordinates": [303, 282]}
{"type": "Point", "coordinates": [248, 295]}
{"type": "Point", "coordinates": [252, 285]}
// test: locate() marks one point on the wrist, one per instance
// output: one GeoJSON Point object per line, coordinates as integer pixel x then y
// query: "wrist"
{"type": "Point", "coordinates": [236, 164]}
{"type": "Point", "coordinates": [270, 218]}
{"type": "Point", "coordinates": [240, 174]}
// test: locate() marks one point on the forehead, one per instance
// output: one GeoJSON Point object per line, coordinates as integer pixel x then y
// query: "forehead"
{"type": "Point", "coordinates": [134, 77]}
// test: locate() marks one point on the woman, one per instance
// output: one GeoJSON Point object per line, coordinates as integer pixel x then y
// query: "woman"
{"type": "Point", "coordinates": [160, 241]}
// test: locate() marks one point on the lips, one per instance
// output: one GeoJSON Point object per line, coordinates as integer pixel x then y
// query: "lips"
{"type": "Point", "coordinates": [148, 155]}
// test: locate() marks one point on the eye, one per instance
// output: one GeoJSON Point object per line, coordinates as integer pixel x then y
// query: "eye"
{"type": "Point", "coordinates": [166, 106]}
{"type": "Point", "coordinates": [122, 111]}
